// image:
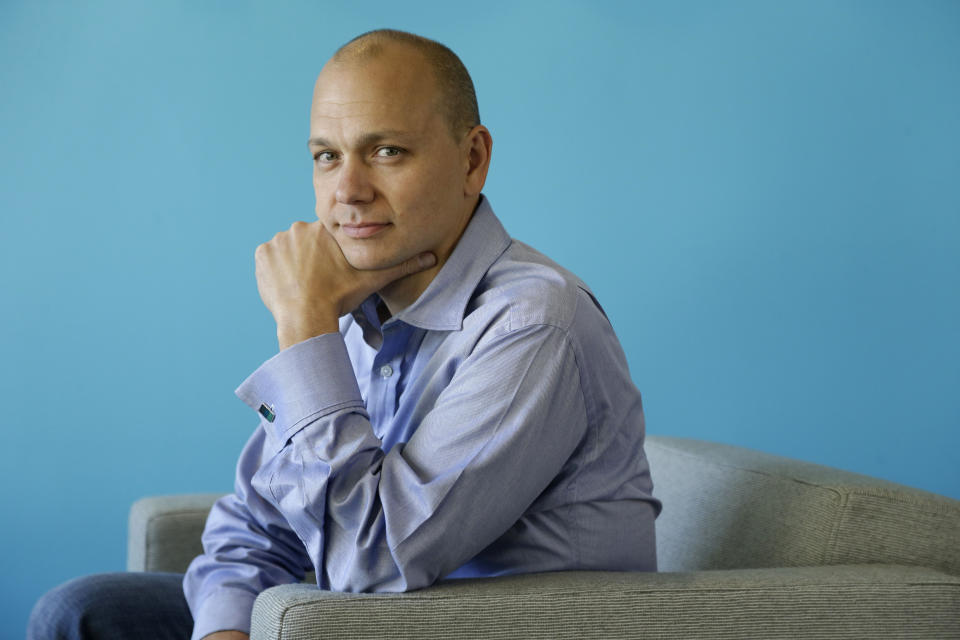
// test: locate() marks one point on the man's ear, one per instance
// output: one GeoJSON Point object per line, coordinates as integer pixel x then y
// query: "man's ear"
{"type": "Point", "coordinates": [478, 144]}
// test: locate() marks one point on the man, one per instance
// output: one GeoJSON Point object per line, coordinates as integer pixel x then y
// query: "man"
{"type": "Point", "coordinates": [446, 402]}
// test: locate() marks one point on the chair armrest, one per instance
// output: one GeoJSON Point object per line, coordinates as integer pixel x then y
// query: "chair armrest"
{"type": "Point", "coordinates": [837, 601]}
{"type": "Point", "coordinates": [164, 531]}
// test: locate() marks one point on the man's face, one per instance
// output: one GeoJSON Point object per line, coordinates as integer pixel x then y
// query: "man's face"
{"type": "Point", "coordinates": [388, 175]}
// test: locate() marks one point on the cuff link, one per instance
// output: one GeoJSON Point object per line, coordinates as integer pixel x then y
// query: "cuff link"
{"type": "Point", "coordinates": [267, 412]}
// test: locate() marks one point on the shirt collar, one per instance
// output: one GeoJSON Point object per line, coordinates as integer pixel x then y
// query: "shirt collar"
{"type": "Point", "coordinates": [442, 305]}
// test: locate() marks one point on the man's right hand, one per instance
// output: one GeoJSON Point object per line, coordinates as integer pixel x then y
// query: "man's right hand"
{"type": "Point", "coordinates": [226, 635]}
{"type": "Point", "coordinates": [307, 284]}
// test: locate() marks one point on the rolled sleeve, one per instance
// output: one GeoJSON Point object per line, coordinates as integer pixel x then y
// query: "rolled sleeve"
{"type": "Point", "coordinates": [301, 384]}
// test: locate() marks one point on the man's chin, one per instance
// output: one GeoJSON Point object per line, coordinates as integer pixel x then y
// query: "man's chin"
{"type": "Point", "coordinates": [370, 263]}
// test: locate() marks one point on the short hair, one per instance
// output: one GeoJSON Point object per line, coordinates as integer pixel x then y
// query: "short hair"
{"type": "Point", "coordinates": [457, 93]}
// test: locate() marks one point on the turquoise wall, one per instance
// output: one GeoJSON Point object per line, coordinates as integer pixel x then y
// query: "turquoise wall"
{"type": "Point", "coordinates": [764, 195]}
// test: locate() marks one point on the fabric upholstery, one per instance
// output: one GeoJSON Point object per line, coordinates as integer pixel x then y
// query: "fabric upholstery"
{"type": "Point", "coordinates": [730, 507]}
{"type": "Point", "coordinates": [165, 531]}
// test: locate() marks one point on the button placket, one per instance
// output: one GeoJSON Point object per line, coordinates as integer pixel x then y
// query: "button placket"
{"type": "Point", "coordinates": [386, 371]}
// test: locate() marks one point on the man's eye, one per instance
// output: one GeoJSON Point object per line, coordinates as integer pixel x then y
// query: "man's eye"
{"type": "Point", "coordinates": [388, 152]}
{"type": "Point", "coordinates": [325, 156]}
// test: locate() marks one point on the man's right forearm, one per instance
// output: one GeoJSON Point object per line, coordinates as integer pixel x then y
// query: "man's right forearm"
{"type": "Point", "coordinates": [240, 559]}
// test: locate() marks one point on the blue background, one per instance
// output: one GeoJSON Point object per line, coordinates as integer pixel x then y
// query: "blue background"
{"type": "Point", "coordinates": [764, 195]}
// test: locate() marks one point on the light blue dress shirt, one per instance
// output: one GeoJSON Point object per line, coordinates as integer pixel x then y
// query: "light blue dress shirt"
{"type": "Point", "coordinates": [489, 428]}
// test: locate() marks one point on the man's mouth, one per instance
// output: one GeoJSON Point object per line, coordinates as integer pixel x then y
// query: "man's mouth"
{"type": "Point", "coordinates": [362, 230]}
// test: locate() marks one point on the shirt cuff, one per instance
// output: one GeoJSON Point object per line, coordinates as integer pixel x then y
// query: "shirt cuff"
{"type": "Point", "coordinates": [301, 384]}
{"type": "Point", "coordinates": [224, 610]}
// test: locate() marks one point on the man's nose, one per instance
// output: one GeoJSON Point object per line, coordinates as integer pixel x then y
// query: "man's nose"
{"type": "Point", "coordinates": [353, 184]}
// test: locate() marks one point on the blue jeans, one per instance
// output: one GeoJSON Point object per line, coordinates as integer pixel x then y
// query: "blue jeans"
{"type": "Point", "coordinates": [113, 606]}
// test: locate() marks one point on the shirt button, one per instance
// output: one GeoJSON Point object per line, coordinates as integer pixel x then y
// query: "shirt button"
{"type": "Point", "coordinates": [386, 371]}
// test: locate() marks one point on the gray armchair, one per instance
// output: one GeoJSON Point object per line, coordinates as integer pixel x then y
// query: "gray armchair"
{"type": "Point", "coordinates": [749, 545]}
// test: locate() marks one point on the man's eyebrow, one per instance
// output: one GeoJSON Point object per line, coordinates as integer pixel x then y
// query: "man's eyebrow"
{"type": "Point", "coordinates": [317, 142]}
{"type": "Point", "coordinates": [365, 140]}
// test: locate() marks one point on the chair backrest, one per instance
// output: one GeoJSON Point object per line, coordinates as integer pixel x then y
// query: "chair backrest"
{"type": "Point", "coordinates": [727, 507]}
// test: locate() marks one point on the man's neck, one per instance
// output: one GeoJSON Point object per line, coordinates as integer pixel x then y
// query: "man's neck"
{"type": "Point", "coordinates": [400, 294]}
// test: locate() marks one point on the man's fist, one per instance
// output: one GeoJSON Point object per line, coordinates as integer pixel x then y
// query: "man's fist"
{"type": "Point", "coordinates": [307, 284]}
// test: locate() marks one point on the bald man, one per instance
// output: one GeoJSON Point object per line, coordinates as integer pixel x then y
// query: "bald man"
{"type": "Point", "coordinates": [446, 401]}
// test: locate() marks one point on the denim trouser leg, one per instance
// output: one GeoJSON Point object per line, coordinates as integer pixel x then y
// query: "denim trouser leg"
{"type": "Point", "coordinates": [111, 606]}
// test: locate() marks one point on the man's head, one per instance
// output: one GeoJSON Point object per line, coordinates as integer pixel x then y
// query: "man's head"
{"type": "Point", "coordinates": [457, 96]}
{"type": "Point", "coordinates": [399, 154]}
